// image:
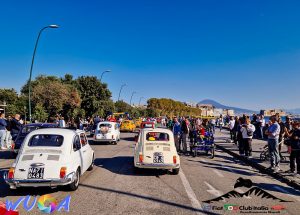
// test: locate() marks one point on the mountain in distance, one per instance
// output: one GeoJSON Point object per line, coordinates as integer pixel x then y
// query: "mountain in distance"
{"type": "Point", "coordinates": [218, 105]}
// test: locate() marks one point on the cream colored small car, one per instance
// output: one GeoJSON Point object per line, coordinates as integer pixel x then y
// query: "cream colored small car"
{"type": "Point", "coordinates": [156, 149]}
{"type": "Point", "coordinates": [51, 157]}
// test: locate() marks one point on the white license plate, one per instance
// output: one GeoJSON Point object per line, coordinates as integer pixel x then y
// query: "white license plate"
{"type": "Point", "coordinates": [158, 157]}
{"type": "Point", "coordinates": [36, 173]}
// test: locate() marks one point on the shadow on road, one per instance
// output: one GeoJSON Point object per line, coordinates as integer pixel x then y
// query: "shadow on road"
{"type": "Point", "coordinates": [123, 165]}
{"type": "Point", "coordinates": [278, 188]}
{"type": "Point", "coordinates": [153, 199]}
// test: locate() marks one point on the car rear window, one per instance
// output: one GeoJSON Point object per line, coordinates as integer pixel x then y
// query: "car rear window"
{"type": "Point", "coordinates": [49, 140]}
{"type": "Point", "coordinates": [105, 125]}
{"type": "Point", "coordinates": [157, 136]}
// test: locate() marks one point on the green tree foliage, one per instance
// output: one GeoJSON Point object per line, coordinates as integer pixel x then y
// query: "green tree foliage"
{"type": "Point", "coordinates": [95, 96]}
{"type": "Point", "coordinates": [40, 113]}
{"type": "Point", "coordinates": [15, 103]}
{"type": "Point", "coordinates": [169, 107]}
{"type": "Point", "coordinates": [53, 95]}
{"type": "Point", "coordinates": [121, 106]}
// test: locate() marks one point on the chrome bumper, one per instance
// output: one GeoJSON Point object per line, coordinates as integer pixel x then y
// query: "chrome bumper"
{"type": "Point", "coordinates": [14, 183]}
{"type": "Point", "coordinates": [157, 166]}
{"type": "Point", "coordinates": [104, 140]}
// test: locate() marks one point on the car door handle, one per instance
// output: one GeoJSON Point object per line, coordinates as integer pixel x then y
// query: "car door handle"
{"type": "Point", "coordinates": [22, 170]}
{"type": "Point", "coordinates": [84, 151]}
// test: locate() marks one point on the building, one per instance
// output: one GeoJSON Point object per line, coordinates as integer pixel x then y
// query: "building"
{"type": "Point", "coordinates": [206, 109]}
{"type": "Point", "coordinates": [228, 112]}
{"type": "Point", "coordinates": [271, 112]}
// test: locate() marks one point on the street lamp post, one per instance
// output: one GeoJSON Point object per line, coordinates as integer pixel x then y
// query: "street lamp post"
{"type": "Point", "coordinates": [132, 96]}
{"type": "Point", "coordinates": [31, 67]}
{"type": "Point", "coordinates": [140, 100]}
{"type": "Point", "coordinates": [123, 85]}
{"type": "Point", "coordinates": [103, 74]}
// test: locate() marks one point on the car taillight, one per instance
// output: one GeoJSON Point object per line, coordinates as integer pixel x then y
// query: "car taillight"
{"type": "Point", "coordinates": [141, 158]}
{"type": "Point", "coordinates": [63, 172]}
{"type": "Point", "coordinates": [174, 159]}
{"type": "Point", "coordinates": [11, 173]}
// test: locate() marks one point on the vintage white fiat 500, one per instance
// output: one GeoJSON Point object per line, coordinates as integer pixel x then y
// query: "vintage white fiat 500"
{"type": "Point", "coordinates": [51, 157]}
{"type": "Point", "coordinates": [156, 149]}
{"type": "Point", "coordinates": [107, 132]}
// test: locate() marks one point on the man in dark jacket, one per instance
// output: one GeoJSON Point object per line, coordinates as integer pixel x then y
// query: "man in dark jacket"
{"type": "Point", "coordinates": [185, 132]}
{"type": "Point", "coordinates": [15, 126]}
{"type": "Point", "coordinates": [295, 146]}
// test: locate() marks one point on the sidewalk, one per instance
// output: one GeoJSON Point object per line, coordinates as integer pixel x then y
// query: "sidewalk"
{"type": "Point", "coordinates": [255, 161]}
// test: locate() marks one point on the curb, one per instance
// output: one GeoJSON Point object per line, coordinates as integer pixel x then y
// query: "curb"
{"type": "Point", "coordinates": [262, 169]}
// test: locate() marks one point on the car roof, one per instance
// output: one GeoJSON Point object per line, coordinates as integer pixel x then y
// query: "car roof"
{"type": "Point", "coordinates": [42, 125]}
{"type": "Point", "coordinates": [107, 122]}
{"type": "Point", "coordinates": [59, 131]}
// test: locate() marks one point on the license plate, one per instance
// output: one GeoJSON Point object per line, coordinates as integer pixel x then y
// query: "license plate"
{"type": "Point", "coordinates": [158, 157]}
{"type": "Point", "coordinates": [36, 173]}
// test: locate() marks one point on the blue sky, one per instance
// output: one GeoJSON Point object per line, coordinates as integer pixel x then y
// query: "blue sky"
{"type": "Point", "coordinates": [240, 53]}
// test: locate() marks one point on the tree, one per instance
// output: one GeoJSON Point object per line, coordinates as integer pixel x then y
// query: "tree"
{"type": "Point", "coordinates": [121, 106]}
{"type": "Point", "coordinates": [95, 96]}
{"type": "Point", "coordinates": [40, 113]}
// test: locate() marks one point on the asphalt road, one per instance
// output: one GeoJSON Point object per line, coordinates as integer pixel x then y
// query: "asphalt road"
{"type": "Point", "coordinates": [114, 188]}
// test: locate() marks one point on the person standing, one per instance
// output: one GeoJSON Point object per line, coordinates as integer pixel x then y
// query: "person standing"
{"type": "Point", "coordinates": [273, 143]}
{"type": "Point", "coordinates": [294, 137]}
{"type": "Point", "coordinates": [3, 125]}
{"type": "Point", "coordinates": [61, 122]}
{"type": "Point", "coordinates": [177, 133]}
{"type": "Point", "coordinates": [185, 132]}
{"type": "Point", "coordinates": [213, 125]}
{"type": "Point", "coordinates": [247, 131]}
{"type": "Point", "coordinates": [261, 123]}
{"type": "Point", "coordinates": [221, 122]}
{"type": "Point", "coordinates": [16, 126]}
{"type": "Point", "coordinates": [231, 125]}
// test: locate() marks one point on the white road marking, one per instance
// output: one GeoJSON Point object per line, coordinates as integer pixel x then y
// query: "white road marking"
{"type": "Point", "coordinates": [218, 173]}
{"type": "Point", "coordinates": [213, 190]}
{"type": "Point", "coordinates": [192, 196]}
{"type": "Point", "coordinates": [286, 192]}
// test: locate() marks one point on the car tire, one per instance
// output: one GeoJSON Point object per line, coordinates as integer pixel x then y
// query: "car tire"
{"type": "Point", "coordinates": [175, 171]}
{"type": "Point", "coordinates": [91, 167]}
{"type": "Point", "coordinates": [115, 143]}
{"type": "Point", "coordinates": [75, 184]}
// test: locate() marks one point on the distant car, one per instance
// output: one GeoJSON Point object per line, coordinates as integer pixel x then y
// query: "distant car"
{"type": "Point", "coordinates": [26, 129]}
{"type": "Point", "coordinates": [147, 124]}
{"type": "Point", "coordinates": [51, 157]}
{"type": "Point", "coordinates": [107, 132]}
{"type": "Point", "coordinates": [156, 149]}
{"type": "Point", "coordinates": [137, 123]}
{"type": "Point", "coordinates": [127, 125]}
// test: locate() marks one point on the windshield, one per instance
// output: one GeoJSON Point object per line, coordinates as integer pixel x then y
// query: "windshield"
{"type": "Point", "coordinates": [27, 129]}
{"type": "Point", "coordinates": [42, 140]}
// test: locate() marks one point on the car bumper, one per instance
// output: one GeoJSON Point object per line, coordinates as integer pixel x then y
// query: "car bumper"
{"type": "Point", "coordinates": [105, 140]}
{"type": "Point", "coordinates": [15, 183]}
{"type": "Point", "coordinates": [157, 166]}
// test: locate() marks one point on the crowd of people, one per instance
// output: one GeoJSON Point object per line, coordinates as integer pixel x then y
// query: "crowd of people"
{"type": "Point", "coordinates": [276, 132]}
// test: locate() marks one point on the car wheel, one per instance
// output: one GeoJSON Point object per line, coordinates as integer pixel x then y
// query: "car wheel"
{"type": "Point", "coordinates": [115, 143]}
{"type": "Point", "coordinates": [74, 185]}
{"type": "Point", "coordinates": [175, 171]}
{"type": "Point", "coordinates": [92, 165]}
